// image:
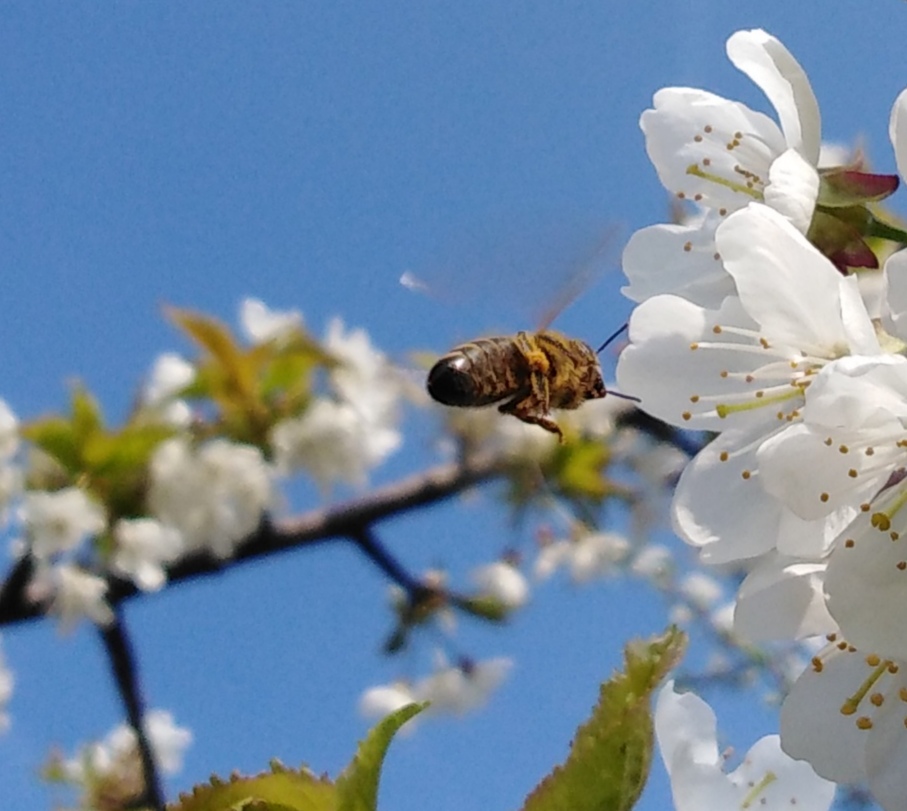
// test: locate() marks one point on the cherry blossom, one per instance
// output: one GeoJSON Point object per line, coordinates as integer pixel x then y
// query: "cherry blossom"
{"type": "Point", "coordinates": [721, 156]}
{"type": "Point", "coordinates": [686, 728]}
{"type": "Point", "coordinates": [846, 715]}
{"type": "Point", "coordinates": [261, 324]}
{"type": "Point", "coordinates": [214, 494]}
{"type": "Point", "coordinates": [743, 369]}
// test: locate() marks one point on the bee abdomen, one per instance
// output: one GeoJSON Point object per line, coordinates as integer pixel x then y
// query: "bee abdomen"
{"type": "Point", "coordinates": [475, 374]}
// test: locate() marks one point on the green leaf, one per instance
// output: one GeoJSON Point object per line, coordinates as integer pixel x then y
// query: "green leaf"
{"type": "Point", "coordinates": [54, 436]}
{"type": "Point", "coordinates": [609, 760]}
{"type": "Point", "coordinates": [86, 416]}
{"type": "Point", "coordinates": [278, 790]}
{"type": "Point", "coordinates": [357, 787]}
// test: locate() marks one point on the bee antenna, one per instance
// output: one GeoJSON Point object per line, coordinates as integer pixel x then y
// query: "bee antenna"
{"type": "Point", "coordinates": [630, 397]}
{"type": "Point", "coordinates": [612, 338]}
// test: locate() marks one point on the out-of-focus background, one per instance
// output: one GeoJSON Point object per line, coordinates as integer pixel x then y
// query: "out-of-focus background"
{"type": "Point", "coordinates": [309, 154]}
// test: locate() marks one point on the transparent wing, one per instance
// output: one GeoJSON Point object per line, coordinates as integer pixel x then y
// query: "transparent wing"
{"type": "Point", "coordinates": [522, 272]}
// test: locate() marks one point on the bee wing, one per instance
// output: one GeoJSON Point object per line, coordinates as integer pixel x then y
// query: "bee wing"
{"type": "Point", "coordinates": [519, 273]}
{"type": "Point", "coordinates": [586, 270]}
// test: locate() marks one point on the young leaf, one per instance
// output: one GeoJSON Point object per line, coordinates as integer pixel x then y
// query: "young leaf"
{"type": "Point", "coordinates": [280, 789]}
{"type": "Point", "coordinates": [609, 760]}
{"type": "Point", "coordinates": [357, 787]}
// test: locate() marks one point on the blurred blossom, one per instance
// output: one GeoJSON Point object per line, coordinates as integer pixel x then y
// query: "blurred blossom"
{"type": "Point", "coordinates": [6, 691]}
{"type": "Point", "coordinates": [260, 324]}
{"type": "Point", "coordinates": [118, 751]}
{"type": "Point", "coordinates": [450, 689]}
{"type": "Point", "coordinates": [588, 555]}
{"type": "Point", "coordinates": [143, 545]}
{"type": "Point", "coordinates": [653, 561]}
{"type": "Point", "coordinates": [9, 432]}
{"type": "Point", "coordinates": [767, 778]}
{"type": "Point", "coordinates": [214, 495]}
{"type": "Point", "coordinates": [503, 582]}
{"type": "Point", "coordinates": [363, 377]}
{"type": "Point", "coordinates": [58, 521]}
{"type": "Point", "coordinates": [701, 589]}
{"type": "Point", "coordinates": [680, 614]}
{"type": "Point", "coordinates": [11, 481]}
{"type": "Point", "coordinates": [72, 594]}
{"type": "Point", "coordinates": [376, 702]}
{"type": "Point", "coordinates": [169, 376]}
{"type": "Point", "coordinates": [333, 443]}
{"type": "Point", "coordinates": [722, 618]}
{"type": "Point", "coordinates": [500, 434]}
{"type": "Point", "coordinates": [462, 687]}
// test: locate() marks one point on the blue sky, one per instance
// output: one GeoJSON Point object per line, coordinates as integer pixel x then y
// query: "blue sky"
{"type": "Point", "coordinates": [308, 154]}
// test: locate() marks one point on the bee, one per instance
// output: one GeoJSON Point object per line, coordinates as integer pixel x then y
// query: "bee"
{"type": "Point", "coordinates": [529, 374]}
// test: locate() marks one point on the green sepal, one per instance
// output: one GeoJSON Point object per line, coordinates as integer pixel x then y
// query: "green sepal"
{"type": "Point", "coordinates": [611, 754]}
{"type": "Point", "coordinates": [357, 785]}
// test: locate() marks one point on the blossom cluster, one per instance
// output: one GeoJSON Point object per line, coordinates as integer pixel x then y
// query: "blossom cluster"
{"type": "Point", "coordinates": [185, 477]}
{"type": "Point", "coordinates": [774, 318]}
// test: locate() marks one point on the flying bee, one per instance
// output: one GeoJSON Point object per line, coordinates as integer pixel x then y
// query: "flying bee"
{"type": "Point", "coordinates": [529, 374]}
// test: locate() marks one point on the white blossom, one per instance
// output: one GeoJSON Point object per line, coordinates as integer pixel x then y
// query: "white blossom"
{"type": "Point", "coordinates": [9, 432]}
{"type": "Point", "coordinates": [214, 495]}
{"type": "Point", "coordinates": [461, 687]}
{"type": "Point", "coordinates": [846, 716]}
{"type": "Point", "coordinates": [260, 324]}
{"type": "Point", "coordinates": [720, 155]}
{"type": "Point", "coordinates": [7, 682]}
{"type": "Point", "coordinates": [586, 556]}
{"type": "Point", "coordinates": [332, 442]}
{"type": "Point", "coordinates": [170, 374]}
{"type": "Point", "coordinates": [168, 743]}
{"type": "Point", "coordinates": [766, 778]}
{"type": "Point", "coordinates": [383, 699]}
{"type": "Point", "coordinates": [58, 521]}
{"type": "Point", "coordinates": [700, 589]}
{"type": "Point", "coordinates": [72, 594]}
{"type": "Point", "coordinates": [143, 546]}
{"type": "Point", "coordinates": [363, 377]}
{"type": "Point", "coordinates": [503, 582]}
{"type": "Point", "coordinates": [743, 370]}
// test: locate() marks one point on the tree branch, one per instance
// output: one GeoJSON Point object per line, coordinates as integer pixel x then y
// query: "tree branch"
{"type": "Point", "coordinates": [347, 521]}
{"type": "Point", "coordinates": [122, 663]}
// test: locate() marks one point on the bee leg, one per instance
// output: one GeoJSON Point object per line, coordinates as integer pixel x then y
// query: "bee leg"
{"type": "Point", "coordinates": [527, 409]}
{"type": "Point", "coordinates": [539, 368]}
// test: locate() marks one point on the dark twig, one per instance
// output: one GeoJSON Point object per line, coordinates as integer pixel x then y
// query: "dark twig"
{"type": "Point", "coordinates": [375, 551]}
{"type": "Point", "coordinates": [122, 662]}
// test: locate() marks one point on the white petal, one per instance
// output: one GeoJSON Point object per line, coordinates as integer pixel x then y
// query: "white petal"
{"type": "Point", "coordinates": [793, 189]}
{"type": "Point", "coordinates": [690, 127]}
{"type": "Point", "coordinates": [866, 584]}
{"type": "Point", "coordinates": [794, 783]}
{"type": "Point", "coordinates": [678, 259]}
{"type": "Point", "coordinates": [897, 131]}
{"type": "Point", "coordinates": [785, 284]}
{"type": "Point", "coordinates": [859, 393]}
{"type": "Point", "coordinates": [810, 476]}
{"type": "Point", "coordinates": [782, 599]}
{"type": "Point", "coordinates": [716, 507]}
{"type": "Point", "coordinates": [676, 367]}
{"type": "Point", "coordinates": [894, 313]}
{"type": "Point", "coordinates": [886, 754]}
{"type": "Point", "coordinates": [685, 719]}
{"type": "Point", "coordinates": [813, 728]}
{"type": "Point", "coordinates": [771, 66]}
